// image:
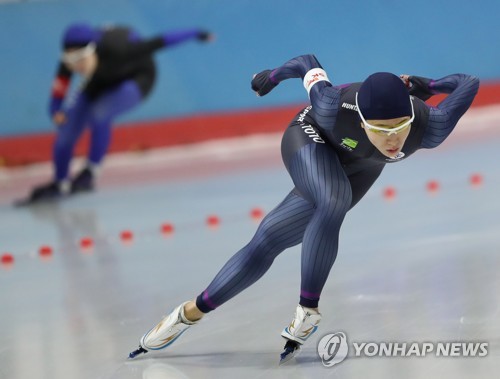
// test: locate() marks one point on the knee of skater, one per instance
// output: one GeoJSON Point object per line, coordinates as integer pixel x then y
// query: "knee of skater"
{"type": "Point", "coordinates": [97, 118]}
{"type": "Point", "coordinates": [259, 252]}
{"type": "Point", "coordinates": [265, 247]}
{"type": "Point", "coordinates": [100, 113]}
{"type": "Point", "coordinates": [335, 204]}
{"type": "Point", "coordinates": [63, 143]}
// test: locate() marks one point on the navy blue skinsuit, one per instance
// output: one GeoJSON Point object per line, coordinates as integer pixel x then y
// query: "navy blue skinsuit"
{"type": "Point", "coordinates": [332, 164]}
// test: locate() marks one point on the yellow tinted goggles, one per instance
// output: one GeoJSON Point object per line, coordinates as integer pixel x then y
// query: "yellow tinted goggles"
{"type": "Point", "coordinates": [389, 130]}
{"type": "Point", "coordinates": [72, 57]}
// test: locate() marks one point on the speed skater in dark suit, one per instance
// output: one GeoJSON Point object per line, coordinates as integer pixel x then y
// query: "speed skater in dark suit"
{"type": "Point", "coordinates": [334, 150]}
{"type": "Point", "coordinates": [118, 72]}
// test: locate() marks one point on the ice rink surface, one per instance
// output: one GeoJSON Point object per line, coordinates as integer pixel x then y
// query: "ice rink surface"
{"type": "Point", "coordinates": [422, 267]}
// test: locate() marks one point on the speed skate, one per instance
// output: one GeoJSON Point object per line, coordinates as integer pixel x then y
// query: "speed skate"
{"type": "Point", "coordinates": [165, 333]}
{"type": "Point", "coordinates": [303, 325]}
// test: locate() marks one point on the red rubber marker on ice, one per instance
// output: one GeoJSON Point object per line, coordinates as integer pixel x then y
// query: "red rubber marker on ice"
{"type": "Point", "coordinates": [256, 214]}
{"type": "Point", "coordinates": [476, 180]}
{"type": "Point", "coordinates": [433, 186]}
{"type": "Point", "coordinates": [7, 260]}
{"type": "Point", "coordinates": [126, 236]}
{"type": "Point", "coordinates": [167, 229]}
{"type": "Point", "coordinates": [86, 243]}
{"type": "Point", "coordinates": [45, 252]}
{"type": "Point", "coordinates": [213, 221]}
{"type": "Point", "coordinates": [389, 193]}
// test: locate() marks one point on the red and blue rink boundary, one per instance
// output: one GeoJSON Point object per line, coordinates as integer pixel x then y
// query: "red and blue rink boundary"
{"type": "Point", "coordinates": [146, 135]}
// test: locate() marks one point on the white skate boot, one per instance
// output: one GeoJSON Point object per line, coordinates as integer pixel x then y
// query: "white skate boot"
{"type": "Point", "coordinates": [165, 333]}
{"type": "Point", "coordinates": [304, 324]}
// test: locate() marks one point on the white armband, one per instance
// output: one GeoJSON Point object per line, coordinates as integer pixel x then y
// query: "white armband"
{"type": "Point", "coordinates": [313, 76]}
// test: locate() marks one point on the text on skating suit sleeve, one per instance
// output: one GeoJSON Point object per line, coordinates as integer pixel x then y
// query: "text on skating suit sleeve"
{"type": "Point", "coordinates": [323, 95]}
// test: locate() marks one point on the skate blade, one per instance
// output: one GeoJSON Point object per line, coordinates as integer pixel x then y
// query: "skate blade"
{"type": "Point", "coordinates": [288, 355]}
{"type": "Point", "coordinates": [23, 203]}
{"type": "Point", "coordinates": [28, 202]}
{"type": "Point", "coordinates": [137, 352]}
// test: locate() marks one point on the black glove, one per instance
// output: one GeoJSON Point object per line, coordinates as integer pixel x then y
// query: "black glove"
{"type": "Point", "coordinates": [420, 87]}
{"type": "Point", "coordinates": [204, 36]}
{"type": "Point", "coordinates": [262, 83]}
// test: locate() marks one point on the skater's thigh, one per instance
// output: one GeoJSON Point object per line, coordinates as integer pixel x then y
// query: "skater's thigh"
{"type": "Point", "coordinates": [115, 101]}
{"type": "Point", "coordinates": [362, 181]}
